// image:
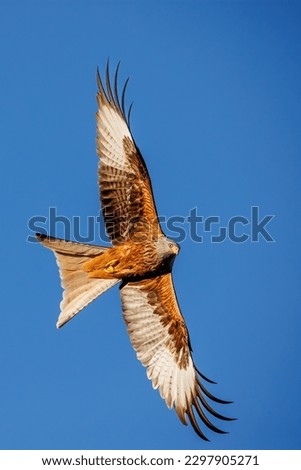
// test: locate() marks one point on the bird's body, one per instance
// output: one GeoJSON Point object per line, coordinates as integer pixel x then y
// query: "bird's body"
{"type": "Point", "coordinates": [140, 260]}
{"type": "Point", "coordinates": [129, 260]}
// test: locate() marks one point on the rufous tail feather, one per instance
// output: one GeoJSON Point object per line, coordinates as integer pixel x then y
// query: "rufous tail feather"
{"type": "Point", "coordinates": [78, 288]}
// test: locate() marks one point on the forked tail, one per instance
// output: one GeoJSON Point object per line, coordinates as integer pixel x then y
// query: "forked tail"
{"type": "Point", "coordinates": [79, 288]}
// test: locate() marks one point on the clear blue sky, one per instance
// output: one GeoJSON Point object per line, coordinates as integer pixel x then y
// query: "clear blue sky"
{"type": "Point", "coordinates": [216, 90]}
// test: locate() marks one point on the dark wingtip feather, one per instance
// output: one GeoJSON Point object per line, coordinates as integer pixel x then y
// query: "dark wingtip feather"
{"type": "Point", "coordinates": [195, 425]}
{"type": "Point", "coordinates": [129, 114]}
{"type": "Point", "coordinates": [212, 397]}
{"type": "Point", "coordinates": [204, 377]}
{"type": "Point", "coordinates": [101, 89]}
{"type": "Point", "coordinates": [116, 86]}
{"type": "Point", "coordinates": [123, 97]}
{"type": "Point", "coordinates": [210, 409]}
{"type": "Point", "coordinates": [108, 84]}
{"type": "Point", "coordinates": [205, 420]}
{"type": "Point", "coordinates": [98, 79]}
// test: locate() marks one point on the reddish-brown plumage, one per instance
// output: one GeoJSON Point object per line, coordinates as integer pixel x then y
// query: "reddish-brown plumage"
{"type": "Point", "coordinates": [123, 261]}
{"type": "Point", "coordinates": [141, 259]}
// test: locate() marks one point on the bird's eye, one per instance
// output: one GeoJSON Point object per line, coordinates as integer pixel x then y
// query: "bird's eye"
{"type": "Point", "coordinates": [170, 245]}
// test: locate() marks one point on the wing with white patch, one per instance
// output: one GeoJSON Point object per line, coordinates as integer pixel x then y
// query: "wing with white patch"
{"type": "Point", "coordinates": [127, 201]}
{"type": "Point", "coordinates": [159, 336]}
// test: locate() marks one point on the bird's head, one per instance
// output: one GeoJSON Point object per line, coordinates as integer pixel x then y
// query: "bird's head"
{"type": "Point", "coordinates": [166, 247]}
{"type": "Point", "coordinates": [173, 246]}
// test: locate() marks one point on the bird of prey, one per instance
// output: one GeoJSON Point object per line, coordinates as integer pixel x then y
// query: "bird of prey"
{"type": "Point", "coordinates": [140, 260]}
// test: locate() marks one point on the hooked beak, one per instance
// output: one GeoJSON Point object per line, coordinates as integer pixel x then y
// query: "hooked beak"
{"type": "Point", "coordinates": [176, 248]}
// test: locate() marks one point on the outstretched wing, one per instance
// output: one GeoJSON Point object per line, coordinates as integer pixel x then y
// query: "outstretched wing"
{"type": "Point", "coordinates": [127, 201]}
{"type": "Point", "coordinates": [159, 336]}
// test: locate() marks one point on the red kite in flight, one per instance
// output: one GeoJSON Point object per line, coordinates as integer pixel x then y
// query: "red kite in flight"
{"type": "Point", "coordinates": [140, 261]}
